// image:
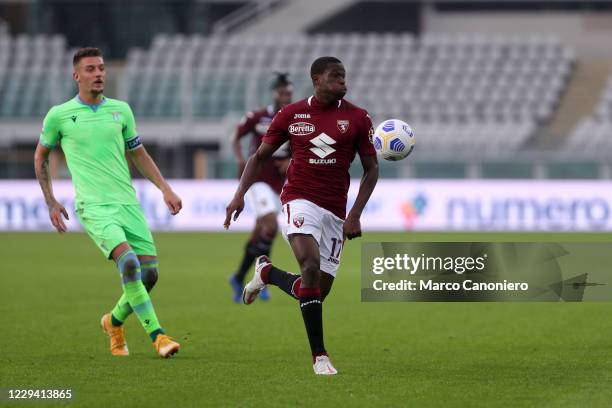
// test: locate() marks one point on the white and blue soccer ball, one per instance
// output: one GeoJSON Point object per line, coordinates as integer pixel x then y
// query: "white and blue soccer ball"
{"type": "Point", "coordinates": [393, 139]}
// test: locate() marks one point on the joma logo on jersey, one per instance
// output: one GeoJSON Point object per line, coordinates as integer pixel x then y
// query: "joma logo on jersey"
{"type": "Point", "coordinates": [322, 149]}
{"type": "Point", "coordinates": [301, 128]}
{"type": "Point", "coordinates": [301, 116]}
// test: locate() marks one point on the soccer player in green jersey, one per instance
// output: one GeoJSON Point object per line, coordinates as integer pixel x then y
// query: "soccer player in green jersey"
{"type": "Point", "coordinates": [94, 133]}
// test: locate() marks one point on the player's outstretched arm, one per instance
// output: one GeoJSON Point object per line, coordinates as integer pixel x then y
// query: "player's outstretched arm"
{"type": "Point", "coordinates": [147, 167]}
{"type": "Point", "coordinates": [251, 170]}
{"type": "Point", "coordinates": [352, 225]}
{"type": "Point", "coordinates": [41, 167]}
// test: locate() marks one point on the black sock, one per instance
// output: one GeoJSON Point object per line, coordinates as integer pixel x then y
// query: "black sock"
{"type": "Point", "coordinates": [312, 313]}
{"type": "Point", "coordinates": [252, 250]}
{"type": "Point", "coordinates": [287, 282]}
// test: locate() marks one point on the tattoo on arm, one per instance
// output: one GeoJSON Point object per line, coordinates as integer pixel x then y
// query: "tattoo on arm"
{"type": "Point", "coordinates": [44, 179]}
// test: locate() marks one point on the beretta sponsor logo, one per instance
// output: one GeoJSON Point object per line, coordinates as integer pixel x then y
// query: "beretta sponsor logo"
{"type": "Point", "coordinates": [301, 128]}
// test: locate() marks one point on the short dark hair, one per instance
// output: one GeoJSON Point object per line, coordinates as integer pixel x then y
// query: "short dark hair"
{"type": "Point", "coordinates": [281, 79]}
{"type": "Point", "coordinates": [85, 52]}
{"type": "Point", "coordinates": [320, 65]}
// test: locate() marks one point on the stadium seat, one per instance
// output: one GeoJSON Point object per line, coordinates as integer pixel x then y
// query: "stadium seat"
{"type": "Point", "coordinates": [28, 73]}
{"type": "Point", "coordinates": [493, 90]}
{"type": "Point", "coordinates": [593, 135]}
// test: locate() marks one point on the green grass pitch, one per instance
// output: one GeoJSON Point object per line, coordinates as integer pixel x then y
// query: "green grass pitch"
{"type": "Point", "coordinates": [53, 290]}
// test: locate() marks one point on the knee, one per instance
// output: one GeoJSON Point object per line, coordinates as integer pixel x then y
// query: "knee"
{"type": "Point", "coordinates": [310, 270]}
{"type": "Point", "coordinates": [149, 277]}
{"type": "Point", "coordinates": [129, 267]}
{"type": "Point", "coordinates": [270, 232]}
{"type": "Point", "coordinates": [130, 270]}
{"type": "Point", "coordinates": [269, 228]}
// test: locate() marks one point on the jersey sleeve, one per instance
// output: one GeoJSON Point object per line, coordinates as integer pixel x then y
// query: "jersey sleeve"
{"type": "Point", "coordinates": [277, 132]}
{"type": "Point", "coordinates": [364, 139]}
{"type": "Point", "coordinates": [130, 135]}
{"type": "Point", "coordinates": [246, 125]}
{"type": "Point", "coordinates": [50, 134]}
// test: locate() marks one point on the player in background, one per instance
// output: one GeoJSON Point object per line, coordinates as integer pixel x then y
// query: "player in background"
{"type": "Point", "coordinates": [94, 133]}
{"type": "Point", "coordinates": [325, 133]}
{"type": "Point", "coordinates": [263, 194]}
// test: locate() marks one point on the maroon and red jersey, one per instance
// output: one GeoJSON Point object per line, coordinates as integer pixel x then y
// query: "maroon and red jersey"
{"type": "Point", "coordinates": [324, 141]}
{"type": "Point", "coordinates": [256, 123]}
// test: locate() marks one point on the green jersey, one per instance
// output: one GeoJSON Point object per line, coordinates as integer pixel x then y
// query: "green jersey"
{"type": "Point", "coordinates": [94, 139]}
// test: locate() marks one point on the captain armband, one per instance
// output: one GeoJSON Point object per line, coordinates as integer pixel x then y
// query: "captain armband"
{"type": "Point", "coordinates": [133, 143]}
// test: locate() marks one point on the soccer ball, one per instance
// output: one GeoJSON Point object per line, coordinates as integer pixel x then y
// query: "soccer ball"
{"type": "Point", "coordinates": [393, 139]}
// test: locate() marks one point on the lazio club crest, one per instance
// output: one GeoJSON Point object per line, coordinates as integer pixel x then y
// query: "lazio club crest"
{"type": "Point", "coordinates": [343, 125]}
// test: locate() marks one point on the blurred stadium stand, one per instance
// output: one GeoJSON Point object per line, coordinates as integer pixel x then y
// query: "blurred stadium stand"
{"type": "Point", "coordinates": [485, 98]}
{"type": "Point", "coordinates": [4, 27]}
{"type": "Point", "coordinates": [594, 134]}
{"type": "Point", "coordinates": [493, 90]}
{"type": "Point", "coordinates": [33, 72]}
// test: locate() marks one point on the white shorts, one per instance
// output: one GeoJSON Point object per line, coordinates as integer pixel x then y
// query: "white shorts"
{"type": "Point", "coordinates": [303, 217]}
{"type": "Point", "coordinates": [262, 199]}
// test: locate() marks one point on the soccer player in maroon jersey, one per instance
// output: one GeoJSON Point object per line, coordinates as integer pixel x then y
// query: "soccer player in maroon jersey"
{"type": "Point", "coordinates": [262, 196]}
{"type": "Point", "coordinates": [325, 133]}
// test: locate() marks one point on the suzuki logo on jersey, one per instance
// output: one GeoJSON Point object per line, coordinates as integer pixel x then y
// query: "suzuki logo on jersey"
{"type": "Point", "coordinates": [322, 149]}
{"type": "Point", "coordinates": [301, 128]}
{"type": "Point", "coordinates": [343, 125]}
{"type": "Point", "coordinates": [301, 116]}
